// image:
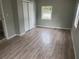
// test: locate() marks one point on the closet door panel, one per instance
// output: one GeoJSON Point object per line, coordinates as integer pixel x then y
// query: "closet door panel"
{"type": "Point", "coordinates": [31, 15]}
{"type": "Point", "coordinates": [25, 11]}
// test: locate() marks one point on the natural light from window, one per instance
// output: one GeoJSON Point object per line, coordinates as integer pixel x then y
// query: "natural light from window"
{"type": "Point", "coordinates": [46, 12]}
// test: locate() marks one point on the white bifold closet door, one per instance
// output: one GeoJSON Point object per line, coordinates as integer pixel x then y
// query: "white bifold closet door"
{"type": "Point", "coordinates": [29, 15]}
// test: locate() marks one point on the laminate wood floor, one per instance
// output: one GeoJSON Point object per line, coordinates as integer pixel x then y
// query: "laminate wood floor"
{"type": "Point", "coordinates": [39, 43]}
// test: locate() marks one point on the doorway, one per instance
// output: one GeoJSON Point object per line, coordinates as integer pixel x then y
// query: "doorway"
{"type": "Point", "coordinates": [2, 36]}
{"type": "Point", "coordinates": [1, 31]}
{"type": "Point", "coordinates": [29, 15]}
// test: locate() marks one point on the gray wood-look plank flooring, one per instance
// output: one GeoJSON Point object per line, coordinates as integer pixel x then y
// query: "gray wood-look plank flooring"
{"type": "Point", "coordinates": [39, 43]}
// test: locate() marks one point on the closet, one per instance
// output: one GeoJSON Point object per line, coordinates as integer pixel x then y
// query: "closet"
{"type": "Point", "coordinates": [1, 30]}
{"type": "Point", "coordinates": [1, 26]}
{"type": "Point", "coordinates": [29, 14]}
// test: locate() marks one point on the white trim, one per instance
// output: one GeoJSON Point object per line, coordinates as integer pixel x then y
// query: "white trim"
{"type": "Point", "coordinates": [54, 27]}
{"type": "Point", "coordinates": [15, 35]}
{"type": "Point", "coordinates": [3, 21]}
{"type": "Point", "coordinates": [73, 45]}
{"type": "Point", "coordinates": [11, 36]}
{"type": "Point", "coordinates": [21, 34]}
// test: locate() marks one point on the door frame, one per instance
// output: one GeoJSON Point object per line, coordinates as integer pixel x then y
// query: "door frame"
{"type": "Point", "coordinates": [3, 21]}
{"type": "Point", "coordinates": [27, 6]}
{"type": "Point", "coordinates": [28, 14]}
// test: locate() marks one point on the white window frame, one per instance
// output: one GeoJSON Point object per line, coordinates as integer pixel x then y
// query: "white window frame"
{"type": "Point", "coordinates": [46, 15]}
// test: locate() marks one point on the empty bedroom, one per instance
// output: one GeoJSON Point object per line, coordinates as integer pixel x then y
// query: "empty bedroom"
{"type": "Point", "coordinates": [39, 29]}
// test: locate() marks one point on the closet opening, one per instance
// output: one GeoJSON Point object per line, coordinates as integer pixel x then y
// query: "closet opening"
{"type": "Point", "coordinates": [2, 36]}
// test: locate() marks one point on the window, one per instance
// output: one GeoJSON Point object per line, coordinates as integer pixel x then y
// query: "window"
{"type": "Point", "coordinates": [77, 17]}
{"type": "Point", "coordinates": [46, 12]}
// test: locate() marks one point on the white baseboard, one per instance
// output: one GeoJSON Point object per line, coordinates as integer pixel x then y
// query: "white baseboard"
{"type": "Point", "coordinates": [11, 36]}
{"type": "Point", "coordinates": [20, 34]}
{"type": "Point", "coordinates": [54, 27]}
{"type": "Point", "coordinates": [15, 35]}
